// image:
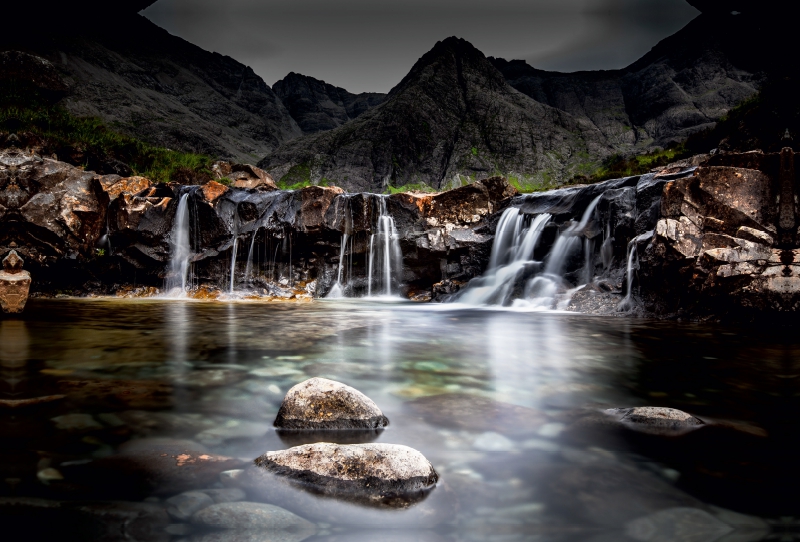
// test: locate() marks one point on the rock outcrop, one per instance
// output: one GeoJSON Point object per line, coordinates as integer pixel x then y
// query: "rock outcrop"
{"type": "Point", "coordinates": [726, 242]}
{"type": "Point", "coordinates": [380, 474]}
{"type": "Point", "coordinates": [15, 283]}
{"type": "Point", "coordinates": [322, 404]}
{"type": "Point", "coordinates": [655, 420]}
{"type": "Point", "coordinates": [317, 106]}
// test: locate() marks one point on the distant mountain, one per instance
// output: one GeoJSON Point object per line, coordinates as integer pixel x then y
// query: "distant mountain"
{"type": "Point", "coordinates": [317, 106]}
{"type": "Point", "coordinates": [152, 85]}
{"type": "Point", "coordinates": [453, 115]}
{"type": "Point", "coordinates": [686, 83]}
{"type": "Point", "coordinates": [456, 114]}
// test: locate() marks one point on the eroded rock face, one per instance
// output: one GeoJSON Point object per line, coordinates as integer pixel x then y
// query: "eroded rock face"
{"type": "Point", "coordinates": [727, 239]}
{"type": "Point", "coordinates": [322, 404]}
{"type": "Point", "coordinates": [373, 473]}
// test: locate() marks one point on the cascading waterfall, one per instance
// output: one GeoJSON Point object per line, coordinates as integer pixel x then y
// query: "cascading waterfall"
{"type": "Point", "coordinates": [627, 302]}
{"type": "Point", "coordinates": [512, 252]}
{"type": "Point", "coordinates": [338, 289]}
{"type": "Point", "coordinates": [233, 261]}
{"type": "Point", "coordinates": [512, 259]}
{"type": "Point", "coordinates": [181, 251]}
{"type": "Point", "coordinates": [385, 259]}
{"type": "Point", "coordinates": [248, 270]}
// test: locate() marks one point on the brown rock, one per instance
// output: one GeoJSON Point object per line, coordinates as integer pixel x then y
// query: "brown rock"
{"type": "Point", "coordinates": [128, 185]}
{"type": "Point", "coordinates": [14, 284]}
{"type": "Point", "coordinates": [212, 190]}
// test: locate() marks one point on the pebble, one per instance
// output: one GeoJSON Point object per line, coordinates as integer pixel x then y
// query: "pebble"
{"type": "Point", "coordinates": [228, 494]}
{"type": "Point", "coordinates": [251, 515]}
{"type": "Point", "coordinates": [183, 505]}
{"type": "Point", "coordinates": [493, 442]}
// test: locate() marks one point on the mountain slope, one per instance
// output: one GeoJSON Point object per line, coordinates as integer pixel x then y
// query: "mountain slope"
{"type": "Point", "coordinates": [453, 115]}
{"type": "Point", "coordinates": [159, 88]}
{"type": "Point", "coordinates": [317, 106]}
{"type": "Point", "coordinates": [685, 84]}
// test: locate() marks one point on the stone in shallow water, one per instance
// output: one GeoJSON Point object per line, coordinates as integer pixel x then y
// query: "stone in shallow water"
{"type": "Point", "coordinates": [226, 494]}
{"type": "Point", "coordinates": [656, 420]}
{"type": "Point", "coordinates": [380, 473]}
{"type": "Point", "coordinates": [475, 413]}
{"type": "Point", "coordinates": [183, 505]}
{"type": "Point", "coordinates": [319, 403]}
{"type": "Point", "coordinates": [251, 516]}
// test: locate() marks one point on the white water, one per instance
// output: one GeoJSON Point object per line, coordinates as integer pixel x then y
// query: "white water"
{"type": "Point", "coordinates": [627, 302]}
{"type": "Point", "coordinates": [338, 289]}
{"type": "Point", "coordinates": [181, 251]}
{"type": "Point", "coordinates": [385, 259]}
{"type": "Point", "coordinates": [248, 270]}
{"type": "Point", "coordinates": [512, 252]}
{"type": "Point", "coordinates": [512, 256]}
{"type": "Point", "coordinates": [233, 262]}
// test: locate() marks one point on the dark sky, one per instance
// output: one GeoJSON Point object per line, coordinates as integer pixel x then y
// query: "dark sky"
{"type": "Point", "coordinates": [369, 45]}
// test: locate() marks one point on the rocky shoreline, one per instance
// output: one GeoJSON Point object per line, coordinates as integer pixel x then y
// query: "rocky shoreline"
{"type": "Point", "coordinates": [712, 236]}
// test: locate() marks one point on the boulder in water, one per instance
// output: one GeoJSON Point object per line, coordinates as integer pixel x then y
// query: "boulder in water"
{"type": "Point", "coordinates": [253, 516]}
{"type": "Point", "coordinates": [322, 404]}
{"type": "Point", "coordinates": [15, 283]}
{"type": "Point", "coordinates": [372, 473]}
{"type": "Point", "coordinates": [656, 420]}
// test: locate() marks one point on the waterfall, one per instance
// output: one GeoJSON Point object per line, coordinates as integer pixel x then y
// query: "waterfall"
{"type": "Point", "coordinates": [512, 252]}
{"type": "Point", "coordinates": [385, 258]}
{"type": "Point", "coordinates": [181, 251]}
{"type": "Point", "coordinates": [233, 261]}
{"type": "Point", "coordinates": [248, 270]}
{"type": "Point", "coordinates": [338, 289]}
{"type": "Point", "coordinates": [512, 260]}
{"type": "Point", "coordinates": [627, 302]}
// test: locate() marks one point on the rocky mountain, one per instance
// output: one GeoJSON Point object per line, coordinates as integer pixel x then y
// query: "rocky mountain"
{"type": "Point", "coordinates": [451, 118]}
{"type": "Point", "coordinates": [161, 88]}
{"type": "Point", "coordinates": [455, 116]}
{"type": "Point", "coordinates": [317, 106]}
{"type": "Point", "coordinates": [683, 85]}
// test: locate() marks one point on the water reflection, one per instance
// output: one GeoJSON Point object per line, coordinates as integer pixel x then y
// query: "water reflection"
{"type": "Point", "coordinates": [504, 404]}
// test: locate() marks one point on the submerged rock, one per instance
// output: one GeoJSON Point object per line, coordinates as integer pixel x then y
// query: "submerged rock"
{"type": "Point", "coordinates": [475, 413]}
{"type": "Point", "coordinates": [691, 524]}
{"type": "Point", "coordinates": [322, 404]}
{"type": "Point", "coordinates": [14, 284]}
{"type": "Point", "coordinates": [251, 516]}
{"type": "Point", "coordinates": [379, 473]}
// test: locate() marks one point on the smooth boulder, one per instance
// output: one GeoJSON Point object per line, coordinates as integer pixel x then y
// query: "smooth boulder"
{"type": "Point", "coordinates": [373, 473]}
{"type": "Point", "coordinates": [322, 404]}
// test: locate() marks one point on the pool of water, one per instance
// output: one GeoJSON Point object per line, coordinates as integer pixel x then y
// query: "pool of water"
{"type": "Point", "coordinates": [525, 454]}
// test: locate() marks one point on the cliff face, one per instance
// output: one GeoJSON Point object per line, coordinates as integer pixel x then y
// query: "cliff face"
{"type": "Point", "coordinates": [317, 106]}
{"type": "Point", "coordinates": [452, 115]}
{"type": "Point", "coordinates": [149, 84]}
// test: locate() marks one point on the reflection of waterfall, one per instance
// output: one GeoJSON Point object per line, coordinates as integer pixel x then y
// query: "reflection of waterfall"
{"type": "Point", "coordinates": [181, 250]}
{"type": "Point", "coordinates": [385, 260]}
{"type": "Point", "coordinates": [512, 261]}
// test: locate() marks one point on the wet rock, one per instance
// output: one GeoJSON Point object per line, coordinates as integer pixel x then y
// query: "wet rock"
{"type": "Point", "coordinates": [253, 516]}
{"type": "Point", "coordinates": [183, 505]}
{"type": "Point", "coordinates": [127, 185]}
{"type": "Point", "coordinates": [159, 468]}
{"type": "Point", "coordinates": [244, 176]}
{"type": "Point", "coordinates": [319, 403]}
{"type": "Point", "coordinates": [251, 536]}
{"type": "Point", "coordinates": [689, 524]}
{"type": "Point", "coordinates": [121, 521]}
{"type": "Point", "coordinates": [227, 494]}
{"type": "Point", "coordinates": [379, 473]}
{"type": "Point", "coordinates": [475, 413]}
{"type": "Point", "coordinates": [656, 420]}
{"type": "Point", "coordinates": [15, 283]}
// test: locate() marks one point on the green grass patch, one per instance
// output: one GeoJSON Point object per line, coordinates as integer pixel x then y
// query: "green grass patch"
{"type": "Point", "coordinates": [411, 187]}
{"type": "Point", "coordinates": [89, 141]}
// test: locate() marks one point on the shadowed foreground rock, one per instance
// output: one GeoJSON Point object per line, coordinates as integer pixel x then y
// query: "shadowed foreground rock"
{"type": "Point", "coordinates": [14, 284]}
{"type": "Point", "coordinates": [727, 239]}
{"type": "Point", "coordinates": [322, 404]}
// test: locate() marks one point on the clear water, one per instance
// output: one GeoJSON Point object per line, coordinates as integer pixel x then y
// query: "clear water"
{"type": "Point", "coordinates": [215, 373]}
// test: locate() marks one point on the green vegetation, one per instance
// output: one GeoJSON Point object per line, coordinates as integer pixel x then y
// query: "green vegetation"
{"type": "Point", "coordinates": [226, 181]}
{"type": "Point", "coordinates": [88, 142]}
{"type": "Point", "coordinates": [617, 166]}
{"type": "Point", "coordinates": [298, 177]}
{"type": "Point", "coordinates": [474, 151]}
{"type": "Point", "coordinates": [411, 187]}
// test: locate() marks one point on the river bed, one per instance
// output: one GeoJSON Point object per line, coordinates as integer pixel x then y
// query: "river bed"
{"type": "Point", "coordinates": [507, 405]}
